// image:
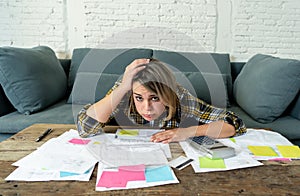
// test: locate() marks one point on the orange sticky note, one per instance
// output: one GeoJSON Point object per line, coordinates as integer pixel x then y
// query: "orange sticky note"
{"type": "Point", "coordinates": [289, 151]}
{"type": "Point", "coordinates": [262, 151]}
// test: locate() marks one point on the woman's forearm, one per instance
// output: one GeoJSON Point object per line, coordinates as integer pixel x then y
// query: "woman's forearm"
{"type": "Point", "coordinates": [217, 129]}
{"type": "Point", "coordinates": [102, 109]}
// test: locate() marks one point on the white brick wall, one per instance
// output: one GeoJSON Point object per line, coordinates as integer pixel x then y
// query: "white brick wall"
{"type": "Point", "coordinates": [265, 26]}
{"type": "Point", "coordinates": [27, 23]}
{"type": "Point", "coordinates": [239, 27]}
{"type": "Point", "coordinates": [114, 23]}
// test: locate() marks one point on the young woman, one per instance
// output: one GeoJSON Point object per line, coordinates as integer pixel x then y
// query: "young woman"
{"type": "Point", "coordinates": [149, 95]}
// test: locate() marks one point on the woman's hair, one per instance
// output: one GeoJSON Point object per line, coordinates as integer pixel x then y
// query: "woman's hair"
{"type": "Point", "coordinates": [158, 78]}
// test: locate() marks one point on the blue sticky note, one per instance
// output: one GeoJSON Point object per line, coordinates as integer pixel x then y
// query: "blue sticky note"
{"type": "Point", "coordinates": [66, 174]}
{"type": "Point", "coordinates": [157, 174]}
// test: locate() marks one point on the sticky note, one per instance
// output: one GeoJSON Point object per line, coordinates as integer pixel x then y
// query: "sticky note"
{"type": "Point", "coordinates": [66, 174]}
{"type": "Point", "coordinates": [122, 176]}
{"type": "Point", "coordinates": [289, 151]}
{"type": "Point", "coordinates": [206, 162]}
{"type": "Point", "coordinates": [126, 132]}
{"type": "Point", "coordinates": [111, 179]}
{"type": "Point", "coordinates": [157, 174]}
{"type": "Point", "coordinates": [140, 167]}
{"type": "Point", "coordinates": [79, 141]}
{"type": "Point", "coordinates": [132, 173]}
{"type": "Point", "coordinates": [262, 151]}
{"type": "Point", "coordinates": [232, 139]}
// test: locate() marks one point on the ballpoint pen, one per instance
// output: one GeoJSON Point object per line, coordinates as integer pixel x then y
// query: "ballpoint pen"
{"type": "Point", "coordinates": [43, 135]}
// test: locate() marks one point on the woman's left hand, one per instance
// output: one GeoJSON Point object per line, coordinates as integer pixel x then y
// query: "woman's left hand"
{"type": "Point", "coordinates": [173, 135]}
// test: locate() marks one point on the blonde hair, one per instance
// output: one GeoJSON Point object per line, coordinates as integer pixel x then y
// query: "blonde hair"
{"type": "Point", "coordinates": [158, 78]}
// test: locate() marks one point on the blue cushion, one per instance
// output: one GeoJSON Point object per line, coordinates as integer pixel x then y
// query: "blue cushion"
{"type": "Point", "coordinates": [5, 105]}
{"type": "Point", "coordinates": [92, 62]}
{"type": "Point", "coordinates": [197, 84]}
{"type": "Point", "coordinates": [91, 87]}
{"type": "Point", "coordinates": [59, 113]}
{"type": "Point", "coordinates": [32, 78]}
{"type": "Point", "coordinates": [295, 111]}
{"type": "Point", "coordinates": [213, 69]}
{"type": "Point", "coordinates": [266, 86]}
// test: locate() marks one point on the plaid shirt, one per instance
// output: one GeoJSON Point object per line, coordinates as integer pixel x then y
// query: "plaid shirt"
{"type": "Point", "coordinates": [191, 111]}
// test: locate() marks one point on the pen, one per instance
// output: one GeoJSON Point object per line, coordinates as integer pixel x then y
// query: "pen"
{"type": "Point", "coordinates": [43, 135]}
{"type": "Point", "coordinates": [184, 163]}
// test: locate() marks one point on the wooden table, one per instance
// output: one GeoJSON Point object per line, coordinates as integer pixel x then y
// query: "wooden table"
{"type": "Point", "coordinates": [271, 179]}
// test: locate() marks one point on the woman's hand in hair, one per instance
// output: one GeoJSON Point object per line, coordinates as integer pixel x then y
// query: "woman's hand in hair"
{"type": "Point", "coordinates": [131, 70]}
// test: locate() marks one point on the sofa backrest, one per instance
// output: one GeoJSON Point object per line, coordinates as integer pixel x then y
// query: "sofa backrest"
{"type": "Point", "coordinates": [208, 74]}
{"type": "Point", "coordinates": [65, 63]}
{"type": "Point", "coordinates": [236, 68]}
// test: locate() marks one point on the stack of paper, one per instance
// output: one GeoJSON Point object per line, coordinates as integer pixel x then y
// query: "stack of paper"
{"type": "Point", "coordinates": [127, 162]}
{"type": "Point", "coordinates": [123, 164]}
{"type": "Point", "coordinates": [267, 145]}
{"type": "Point", "coordinates": [253, 146]}
{"type": "Point", "coordinates": [62, 158]}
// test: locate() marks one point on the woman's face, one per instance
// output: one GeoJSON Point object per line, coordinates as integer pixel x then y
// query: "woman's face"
{"type": "Point", "coordinates": [147, 103]}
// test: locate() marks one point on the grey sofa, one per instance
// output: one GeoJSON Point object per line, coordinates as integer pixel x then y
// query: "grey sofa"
{"type": "Point", "coordinates": [91, 72]}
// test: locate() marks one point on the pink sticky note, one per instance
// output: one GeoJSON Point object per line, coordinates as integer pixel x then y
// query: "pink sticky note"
{"type": "Point", "coordinates": [132, 173]}
{"type": "Point", "coordinates": [79, 141]}
{"type": "Point", "coordinates": [111, 179]}
{"type": "Point", "coordinates": [280, 159]}
{"type": "Point", "coordinates": [120, 178]}
{"type": "Point", "coordinates": [140, 167]}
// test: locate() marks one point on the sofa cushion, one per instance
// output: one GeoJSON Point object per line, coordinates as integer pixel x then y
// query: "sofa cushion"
{"type": "Point", "coordinates": [95, 62]}
{"type": "Point", "coordinates": [288, 126]}
{"type": "Point", "coordinates": [266, 86]}
{"type": "Point", "coordinates": [5, 105]}
{"type": "Point", "coordinates": [91, 87]}
{"type": "Point", "coordinates": [196, 83]}
{"type": "Point", "coordinates": [295, 111]}
{"type": "Point", "coordinates": [32, 78]}
{"type": "Point", "coordinates": [57, 113]}
{"type": "Point", "coordinates": [215, 74]}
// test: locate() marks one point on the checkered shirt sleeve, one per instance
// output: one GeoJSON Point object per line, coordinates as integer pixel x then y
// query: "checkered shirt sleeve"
{"type": "Point", "coordinates": [192, 107]}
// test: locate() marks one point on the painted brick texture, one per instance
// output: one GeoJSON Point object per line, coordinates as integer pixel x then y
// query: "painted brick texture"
{"type": "Point", "coordinates": [239, 27]}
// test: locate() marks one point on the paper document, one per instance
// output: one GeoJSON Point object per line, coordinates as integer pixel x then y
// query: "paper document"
{"type": "Point", "coordinates": [63, 158]}
{"type": "Point", "coordinates": [262, 144]}
{"type": "Point", "coordinates": [202, 163]}
{"type": "Point", "coordinates": [136, 134]}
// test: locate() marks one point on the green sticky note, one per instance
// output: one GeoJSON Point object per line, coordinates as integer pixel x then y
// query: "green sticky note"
{"type": "Point", "coordinates": [289, 151]}
{"type": "Point", "coordinates": [206, 162]}
{"type": "Point", "coordinates": [262, 151]}
{"type": "Point", "coordinates": [232, 139]}
{"type": "Point", "coordinates": [128, 132]}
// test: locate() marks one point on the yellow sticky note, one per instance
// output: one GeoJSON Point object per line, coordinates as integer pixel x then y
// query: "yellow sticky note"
{"type": "Point", "coordinates": [262, 151]}
{"type": "Point", "coordinates": [128, 132]}
{"type": "Point", "coordinates": [206, 162]}
{"type": "Point", "coordinates": [289, 151]}
{"type": "Point", "coordinates": [232, 139]}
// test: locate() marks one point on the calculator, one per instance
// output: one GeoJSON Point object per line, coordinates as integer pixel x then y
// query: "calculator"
{"type": "Point", "coordinates": [211, 148]}
{"type": "Point", "coordinates": [204, 140]}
